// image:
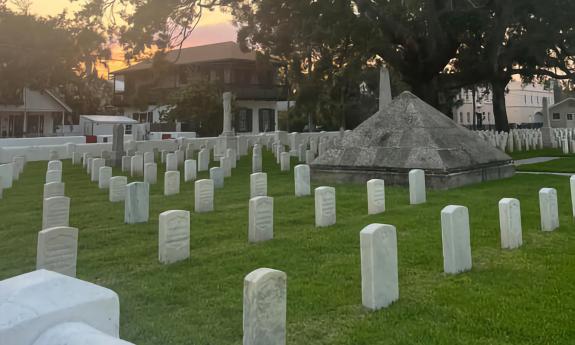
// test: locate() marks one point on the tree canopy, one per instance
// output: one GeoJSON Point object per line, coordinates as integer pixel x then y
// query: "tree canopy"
{"type": "Point", "coordinates": [51, 53]}
{"type": "Point", "coordinates": [433, 46]}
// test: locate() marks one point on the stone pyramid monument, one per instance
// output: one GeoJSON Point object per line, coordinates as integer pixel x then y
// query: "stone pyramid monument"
{"type": "Point", "coordinates": [410, 134]}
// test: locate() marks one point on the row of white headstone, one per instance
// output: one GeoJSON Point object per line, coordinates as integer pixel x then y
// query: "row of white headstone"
{"type": "Point", "coordinates": [530, 139]}
{"type": "Point", "coordinates": [10, 172]}
{"type": "Point", "coordinates": [265, 289]}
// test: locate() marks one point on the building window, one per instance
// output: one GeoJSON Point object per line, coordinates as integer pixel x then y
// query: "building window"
{"type": "Point", "coordinates": [467, 95]}
{"type": "Point", "coordinates": [556, 116]}
{"type": "Point", "coordinates": [570, 117]}
{"type": "Point", "coordinates": [128, 129]}
{"type": "Point", "coordinates": [244, 120]}
{"type": "Point", "coordinates": [468, 117]}
{"type": "Point", "coordinates": [143, 117]}
{"type": "Point", "coordinates": [460, 117]}
{"type": "Point", "coordinates": [489, 116]}
{"type": "Point", "coordinates": [267, 120]}
{"type": "Point", "coordinates": [525, 96]}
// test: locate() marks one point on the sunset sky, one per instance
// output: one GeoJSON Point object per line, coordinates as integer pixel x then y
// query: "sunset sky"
{"type": "Point", "coordinates": [214, 26]}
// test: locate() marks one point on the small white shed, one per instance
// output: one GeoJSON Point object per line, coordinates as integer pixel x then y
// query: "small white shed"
{"type": "Point", "coordinates": [104, 124]}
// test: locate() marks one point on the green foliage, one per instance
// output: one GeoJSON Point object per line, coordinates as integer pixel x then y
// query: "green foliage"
{"type": "Point", "coordinates": [52, 53]}
{"type": "Point", "coordinates": [433, 46]}
{"type": "Point", "coordinates": [200, 105]}
{"type": "Point", "coordinates": [514, 297]}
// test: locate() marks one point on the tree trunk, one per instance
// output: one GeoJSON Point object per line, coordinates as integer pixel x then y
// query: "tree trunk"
{"type": "Point", "coordinates": [499, 106]}
{"type": "Point", "coordinates": [342, 109]}
{"type": "Point", "coordinates": [474, 107]}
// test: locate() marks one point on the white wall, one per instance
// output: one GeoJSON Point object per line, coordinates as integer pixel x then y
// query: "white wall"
{"type": "Point", "coordinates": [41, 141]}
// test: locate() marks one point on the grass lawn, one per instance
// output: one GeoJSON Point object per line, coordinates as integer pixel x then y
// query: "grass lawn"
{"type": "Point", "coordinates": [538, 153]}
{"type": "Point", "coordinates": [524, 296]}
{"type": "Point", "coordinates": [563, 165]}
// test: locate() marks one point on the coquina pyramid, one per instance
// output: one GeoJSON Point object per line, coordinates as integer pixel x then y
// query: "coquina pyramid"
{"type": "Point", "coordinates": [411, 134]}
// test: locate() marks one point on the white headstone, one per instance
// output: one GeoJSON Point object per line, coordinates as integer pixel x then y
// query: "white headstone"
{"type": "Point", "coordinates": [53, 189]}
{"type": "Point", "coordinates": [54, 165]}
{"type": "Point", "coordinates": [261, 222]}
{"type": "Point", "coordinates": [89, 165]}
{"type": "Point", "coordinates": [149, 157]}
{"type": "Point", "coordinates": [171, 183]}
{"type": "Point", "coordinates": [190, 170]}
{"type": "Point", "coordinates": [309, 156]}
{"type": "Point", "coordinates": [72, 333]}
{"type": "Point", "coordinates": [456, 239]}
{"type": "Point", "coordinates": [549, 209]}
{"type": "Point", "coordinates": [43, 298]}
{"type": "Point", "coordinates": [104, 177]}
{"type": "Point", "coordinates": [53, 176]}
{"type": "Point", "coordinates": [285, 161]}
{"type": "Point", "coordinates": [379, 272]}
{"type": "Point", "coordinates": [55, 212]}
{"type": "Point", "coordinates": [97, 163]}
{"type": "Point", "coordinates": [85, 157]}
{"type": "Point", "coordinates": [6, 175]}
{"type": "Point", "coordinates": [217, 175]}
{"type": "Point", "coordinates": [265, 306]}
{"type": "Point", "coordinates": [171, 162]}
{"type": "Point", "coordinates": [203, 160]}
{"type": "Point", "coordinates": [151, 173]}
{"type": "Point", "coordinates": [57, 250]}
{"type": "Point", "coordinates": [226, 165]}
{"type": "Point", "coordinates": [325, 214]}
{"type": "Point", "coordinates": [302, 180]}
{"type": "Point", "coordinates": [53, 155]}
{"type": "Point", "coordinates": [375, 196]}
{"type": "Point", "coordinates": [76, 158]}
{"type": "Point", "coordinates": [572, 185]}
{"type": "Point", "coordinates": [510, 223]}
{"type": "Point", "coordinates": [174, 236]}
{"type": "Point", "coordinates": [20, 161]}
{"type": "Point", "coordinates": [301, 153]}
{"type": "Point", "coordinates": [118, 188]}
{"type": "Point", "coordinates": [417, 187]}
{"type": "Point", "coordinates": [256, 161]}
{"type": "Point", "coordinates": [180, 157]}
{"type": "Point", "coordinates": [137, 204]}
{"type": "Point", "coordinates": [231, 154]}
{"type": "Point", "coordinates": [204, 196]}
{"type": "Point", "coordinates": [126, 164]}
{"type": "Point", "coordinates": [258, 184]}
{"type": "Point", "coordinates": [137, 165]}
{"type": "Point", "coordinates": [15, 171]}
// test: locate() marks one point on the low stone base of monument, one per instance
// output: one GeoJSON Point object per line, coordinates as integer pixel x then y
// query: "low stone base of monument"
{"type": "Point", "coordinates": [433, 179]}
{"type": "Point", "coordinates": [116, 159]}
{"type": "Point", "coordinates": [226, 142]}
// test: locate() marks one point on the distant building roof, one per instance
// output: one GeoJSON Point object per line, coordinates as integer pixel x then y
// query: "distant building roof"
{"type": "Point", "coordinates": [107, 119]}
{"type": "Point", "coordinates": [207, 53]}
{"type": "Point", "coordinates": [566, 100]}
{"type": "Point", "coordinates": [37, 101]}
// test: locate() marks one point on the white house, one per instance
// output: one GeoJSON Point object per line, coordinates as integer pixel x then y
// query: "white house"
{"type": "Point", "coordinates": [524, 104]}
{"type": "Point", "coordinates": [37, 113]}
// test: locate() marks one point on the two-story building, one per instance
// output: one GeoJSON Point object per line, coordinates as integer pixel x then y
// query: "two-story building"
{"type": "Point", "coordinates": [524, 104]}
{"type": "Point", "coordinates": [141, 91]}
